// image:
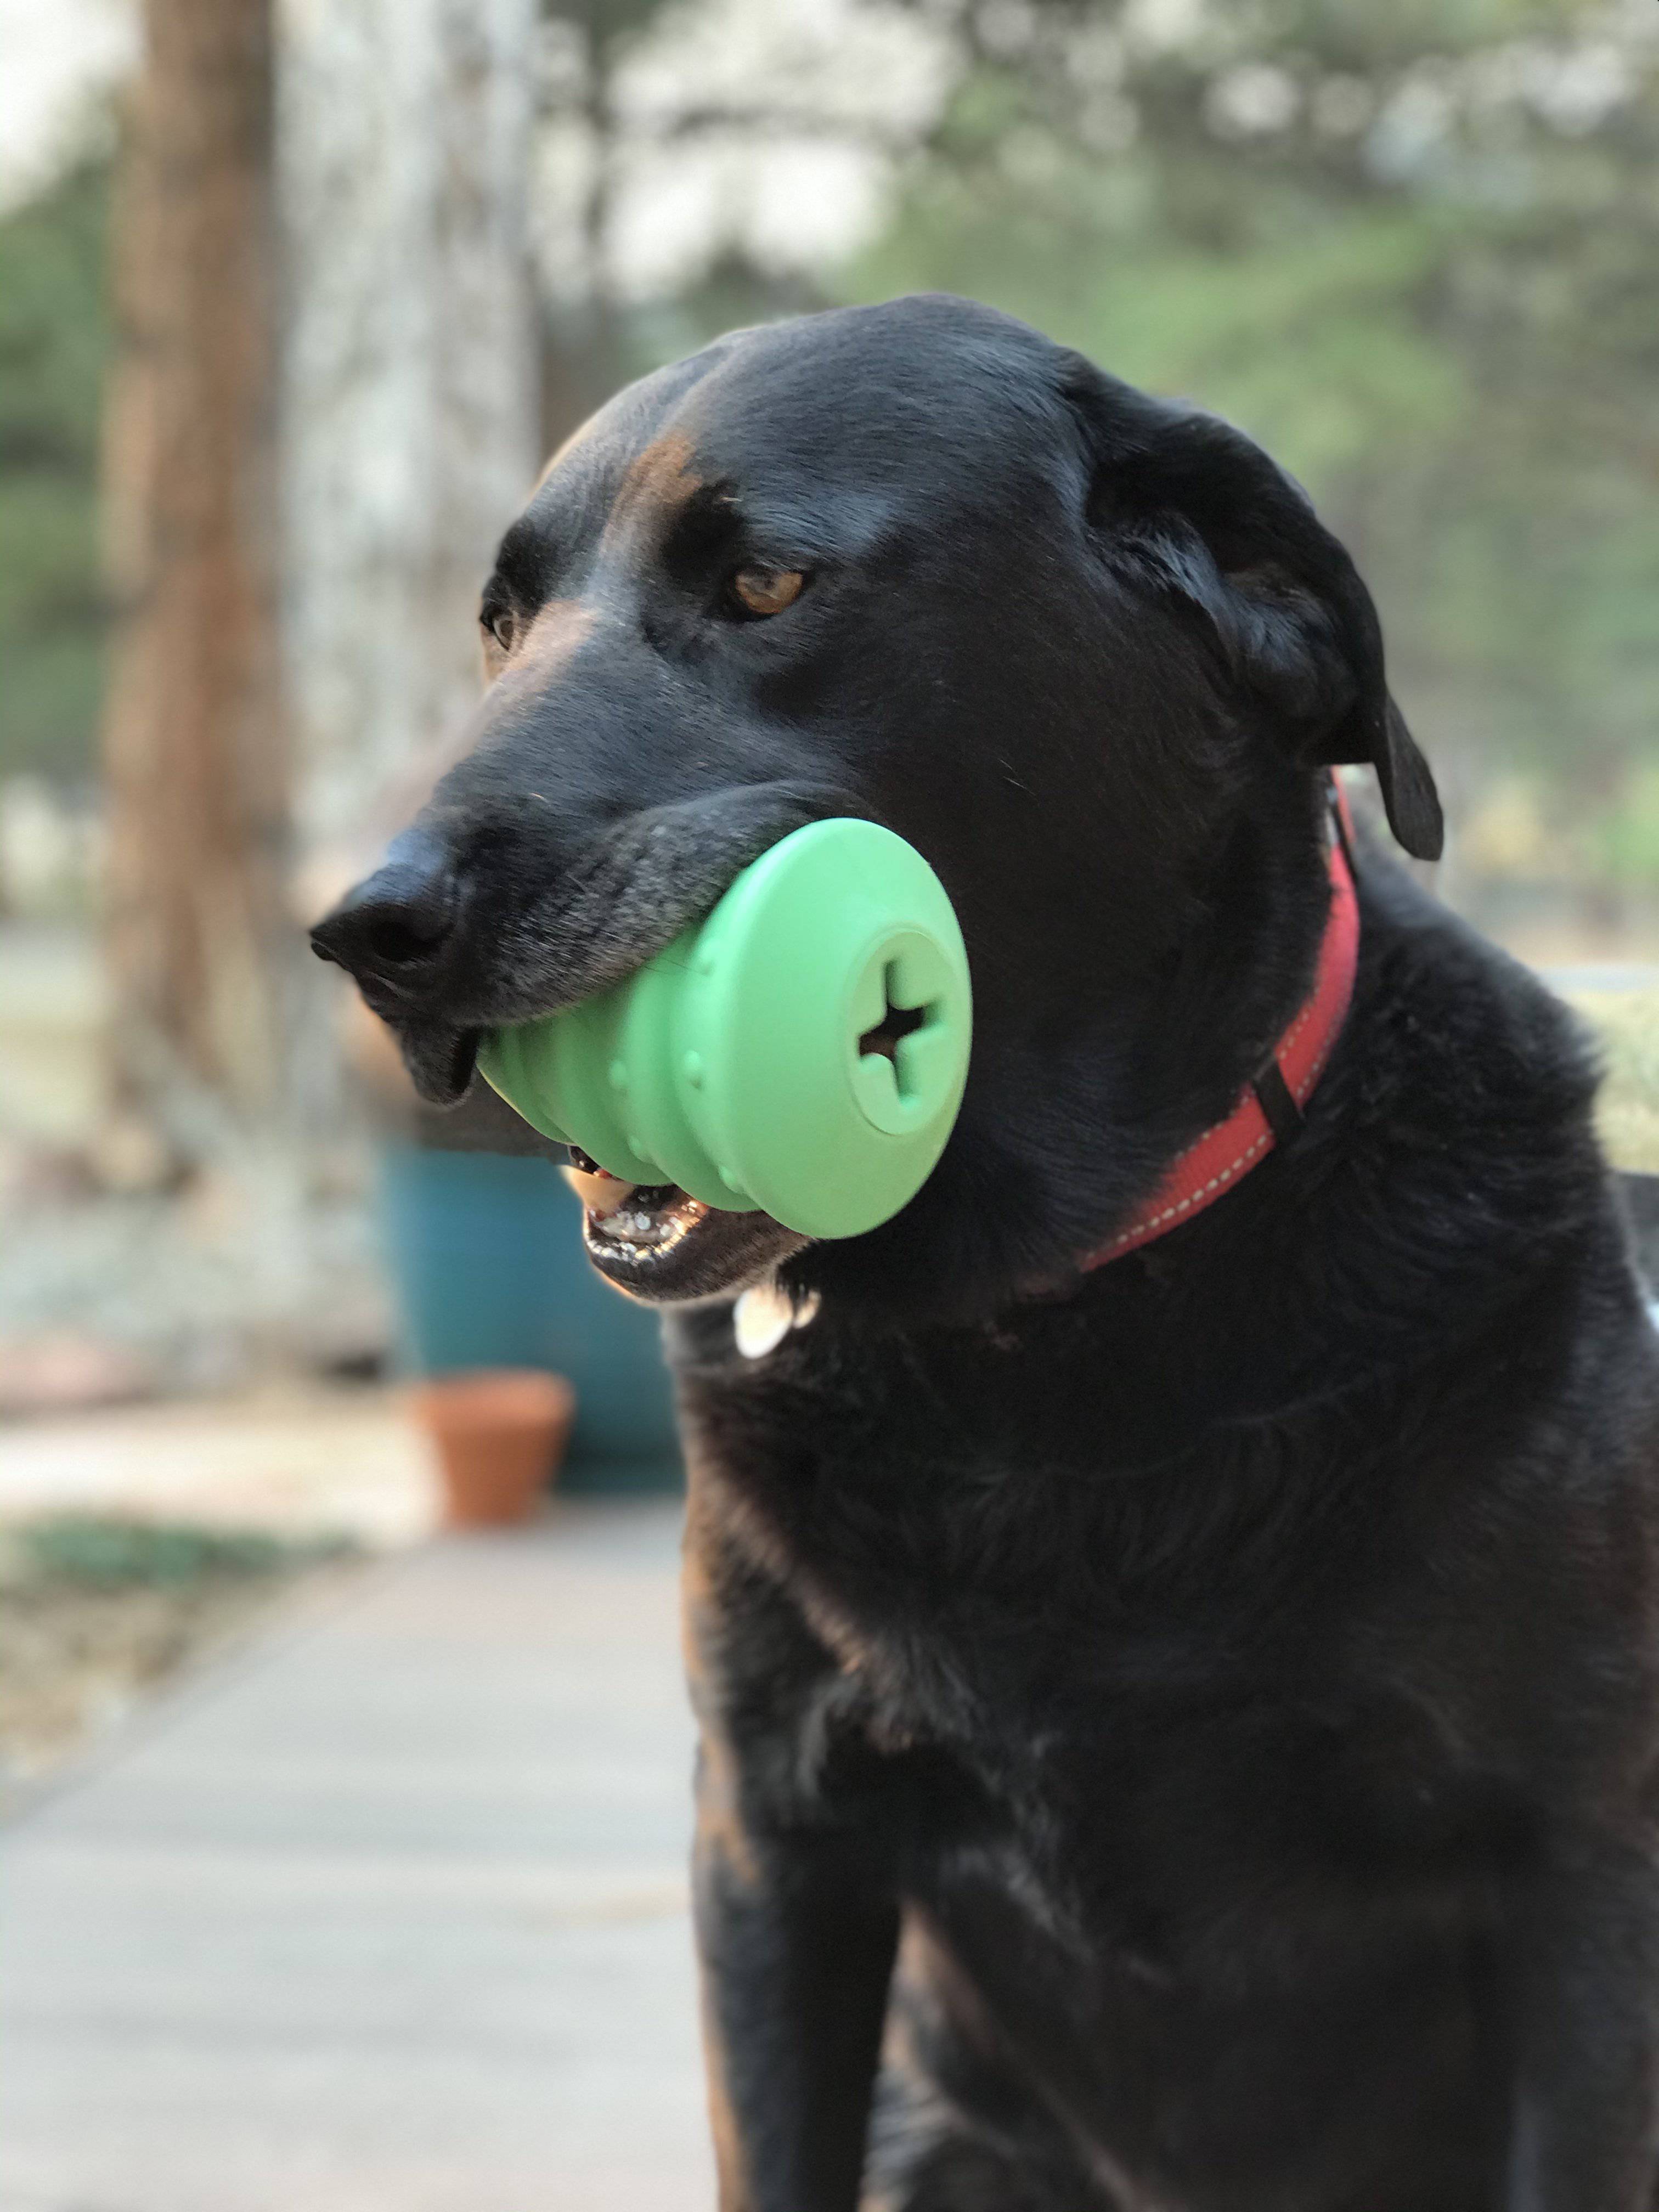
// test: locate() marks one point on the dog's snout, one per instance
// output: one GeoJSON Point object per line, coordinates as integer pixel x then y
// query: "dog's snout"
{"type": "Point", "coordinates": [393, 928]}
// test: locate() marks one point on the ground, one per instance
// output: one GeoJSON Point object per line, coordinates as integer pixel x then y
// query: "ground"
{"type": "Point", "coordinates": [137, 1541]}
{"type": "Point", "coordinates": [95, 1611]}
{"type": "Point", "coordinates": [385, 1913]}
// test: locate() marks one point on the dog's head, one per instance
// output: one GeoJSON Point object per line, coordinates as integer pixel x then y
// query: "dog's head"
{"type": "Point", "coordinates": [1089, 651]}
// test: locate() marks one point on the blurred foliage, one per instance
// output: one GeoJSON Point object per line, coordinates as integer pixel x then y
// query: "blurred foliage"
{"type": "Point", "coordinates": [95, 1551]}
{"type": "Point", "coordinates": [584, 359]}
{"type": "Point", "coordinates": [1626, 1028]}
{"type": "Point", "coordinates": [1626, 841]}
{"type": "Point", "coordinates": [54, 338]}
{"type": "Point", "coordinates": [731, 295]}
{"type": "Point", "coordinates": [1415, 251]}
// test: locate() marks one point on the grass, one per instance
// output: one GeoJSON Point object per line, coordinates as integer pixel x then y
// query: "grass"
{"type": "Point", "coordinates": [1626, 1026]}
{"type": "Point", "coordinates": [97, 1553]}
{"type": "Point", "coordinates": [97, 1611]}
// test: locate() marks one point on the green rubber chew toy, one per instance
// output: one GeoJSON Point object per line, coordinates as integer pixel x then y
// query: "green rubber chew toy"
{"type": "Point", "coordinates": [804, 1050]}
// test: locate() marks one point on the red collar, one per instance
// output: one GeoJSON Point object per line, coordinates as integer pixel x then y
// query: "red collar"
{"type": "Point", "coordinates": [1270, 1107]}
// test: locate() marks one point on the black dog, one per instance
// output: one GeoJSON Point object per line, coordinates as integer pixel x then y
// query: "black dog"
{"type": "Point", "coordinates": [1178, 1733]}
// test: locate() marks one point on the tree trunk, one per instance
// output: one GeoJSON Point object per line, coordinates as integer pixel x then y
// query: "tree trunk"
{"type": "Point", "coordinates": [409, 439]}
{"type": "Point", "coordinates": [199, 937]}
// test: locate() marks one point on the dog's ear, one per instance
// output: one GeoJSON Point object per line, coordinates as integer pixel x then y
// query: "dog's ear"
{"type": "Point", "coordinates": [1192, 507]}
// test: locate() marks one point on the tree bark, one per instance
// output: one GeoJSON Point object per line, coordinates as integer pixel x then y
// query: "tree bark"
{"type": "Point", "coordinates": [198, 938]}
{"type": "Point", "coordinates": [409, 401]}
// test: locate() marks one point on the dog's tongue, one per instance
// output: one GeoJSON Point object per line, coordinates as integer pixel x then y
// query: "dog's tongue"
{"type": "Point", "coordinates": [599, 1191]}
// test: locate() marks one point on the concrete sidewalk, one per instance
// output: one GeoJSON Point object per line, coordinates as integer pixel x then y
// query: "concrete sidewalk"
{"type": "Point", "coordinates": [388, 1915]}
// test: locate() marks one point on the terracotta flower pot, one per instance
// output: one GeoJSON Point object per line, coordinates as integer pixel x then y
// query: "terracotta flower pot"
{"type": "Point", "coordinates": [501, 1432]}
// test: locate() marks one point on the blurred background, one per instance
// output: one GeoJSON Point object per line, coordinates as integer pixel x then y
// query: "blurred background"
{"type": "Point", "coordinates": [294, 297]}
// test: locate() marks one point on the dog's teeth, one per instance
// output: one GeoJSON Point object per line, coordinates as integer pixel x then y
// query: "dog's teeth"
{"type": "Point", "coordinates": [602, 1194]}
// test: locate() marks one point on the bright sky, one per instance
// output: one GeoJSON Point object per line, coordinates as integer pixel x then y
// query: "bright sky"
{"type": "Point", "coordinates": [57, 59]}
{"type": "Point", "coordinates": [791, 197]}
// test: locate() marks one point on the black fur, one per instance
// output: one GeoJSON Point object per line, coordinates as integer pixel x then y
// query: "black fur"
{"type": "Point", "coordinates": [1223, 1681]}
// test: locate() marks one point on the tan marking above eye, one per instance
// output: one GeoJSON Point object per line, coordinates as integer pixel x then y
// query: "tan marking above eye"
{"type": "Point", "coordinates": [767, 591]}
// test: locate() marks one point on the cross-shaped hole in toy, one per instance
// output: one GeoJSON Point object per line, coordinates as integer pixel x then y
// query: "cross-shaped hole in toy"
{"type": "Point", "coordinates": [896, 1023]}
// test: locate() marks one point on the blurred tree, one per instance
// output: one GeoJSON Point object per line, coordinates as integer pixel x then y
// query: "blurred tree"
{"type": "Point", "coordinates": [703, 165]}
{"type": "Point", "coordinates": [54, 330]}
{"type": "Point", "coordinates": [1415, 250]}
{"type": "Point", "coordinates": [195, 757]}
{"type": "Point", "coordinates": [409, 430]}
{"type": "Point", "coordinates": [584, 350]}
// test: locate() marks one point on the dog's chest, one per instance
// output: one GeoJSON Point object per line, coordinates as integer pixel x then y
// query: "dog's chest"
{"type": "Point", "coordinates": [968, 1604]}
{"type": "Point", "coordinates": [1109, 1656]}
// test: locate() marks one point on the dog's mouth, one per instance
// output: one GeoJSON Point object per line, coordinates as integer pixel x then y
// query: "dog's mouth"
{"type": "Point", "coordinates": [657, 1241]}
{"type": "Point", "coordinates": [441, 1060]}
{"type": "Point", "coordinates": [639, 1223]}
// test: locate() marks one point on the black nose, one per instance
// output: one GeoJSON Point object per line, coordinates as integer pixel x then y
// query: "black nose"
{"type": "Point", "coordinates": [392, 929]}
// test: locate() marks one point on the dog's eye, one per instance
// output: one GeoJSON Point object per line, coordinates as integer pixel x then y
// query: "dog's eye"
{"type": "Point", "coordinates": [767, 591]}
{"type": "Point", "coordinates": [502, 624]}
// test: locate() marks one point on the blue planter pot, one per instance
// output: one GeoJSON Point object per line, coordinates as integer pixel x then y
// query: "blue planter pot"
{"type": "Point", "coordinates": [486, 1256]}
